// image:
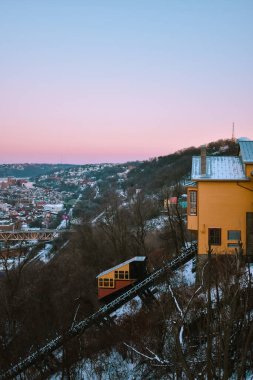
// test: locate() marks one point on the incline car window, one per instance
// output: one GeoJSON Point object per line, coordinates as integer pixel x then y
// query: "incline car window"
{"type": "Point", "coordinates": [106, 283]}
{"type": "Point", "coordinates": [121, 275]}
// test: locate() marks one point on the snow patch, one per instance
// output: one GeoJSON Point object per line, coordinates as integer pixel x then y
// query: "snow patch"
{"type": "Point", "coordinates": [157, 223]}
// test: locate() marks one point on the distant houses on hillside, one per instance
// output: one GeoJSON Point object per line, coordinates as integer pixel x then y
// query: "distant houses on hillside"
{"type": "Point", "coordinates": [180, 202]}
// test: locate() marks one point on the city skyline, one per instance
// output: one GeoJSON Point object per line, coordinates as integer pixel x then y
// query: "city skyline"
{"type": "Point", "coordinates": [89, 82]}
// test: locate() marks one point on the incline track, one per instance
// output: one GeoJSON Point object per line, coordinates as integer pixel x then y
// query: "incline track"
{"type": "Point", "coordinates": [102, 313]}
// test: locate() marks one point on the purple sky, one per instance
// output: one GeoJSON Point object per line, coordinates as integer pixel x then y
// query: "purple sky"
{"type": "Point", "coordinates": [111, 81]}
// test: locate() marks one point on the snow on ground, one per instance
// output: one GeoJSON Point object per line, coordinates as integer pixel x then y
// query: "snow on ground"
{"type": "Point", "coordinates": [247, 276]}
{"type": "Point", "coordinates": [10, 263]}
{"type": "Point", "coordinates": [157, 223]}
{"type": "Point", "coordinates": [248, 376]}
{"type": "Point", "coordinates": [104, 367]}
{"type": "Point", "coordinates": [185, 272]}
{"type": "Point", "coordinates": [44, 254]}
{"type": "Point", "coordinates": [251, 270]}
{"type": "Point", "coordinates": [182, 276]}
{"type": "Point", "coordinates": [121, 193]}
{"type": "Point", "coordinates": [129, 308]}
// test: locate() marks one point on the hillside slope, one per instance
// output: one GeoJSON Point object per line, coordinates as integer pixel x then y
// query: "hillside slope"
{"type": "Point", "coordinates": [153, 175]}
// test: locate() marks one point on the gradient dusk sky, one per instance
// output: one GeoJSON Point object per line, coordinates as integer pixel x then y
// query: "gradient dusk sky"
{"type": "Point", "coordinates": [86, 81]}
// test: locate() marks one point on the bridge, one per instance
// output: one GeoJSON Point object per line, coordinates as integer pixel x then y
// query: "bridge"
{"type": "Point", "coordinates": [20, 235]}
{"type": "Point", "coordinates": [102, 314]}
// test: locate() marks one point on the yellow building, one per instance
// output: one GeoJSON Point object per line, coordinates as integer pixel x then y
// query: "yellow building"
{"type": "Point", "coordinates": [220, 204]}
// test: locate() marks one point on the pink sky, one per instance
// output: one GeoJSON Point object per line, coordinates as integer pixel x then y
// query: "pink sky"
{"type": "Point", "coordinates": [129, 83]}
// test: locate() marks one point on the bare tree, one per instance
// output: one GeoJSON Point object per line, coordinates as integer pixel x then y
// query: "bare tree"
{"type": "Point", "coordinates": [208, 330]}
{"type": "Point", "coordinates": [176, 223]}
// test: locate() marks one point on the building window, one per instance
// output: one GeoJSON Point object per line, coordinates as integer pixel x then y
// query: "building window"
{"type": "Point", "coordinates": [193, 202]}
{"type": "Point", "coordinates": [116, 274]}
{"type": "Point", "coordinates": [234, 235]}
{"type": "Point", "coordinates": [214, 236]}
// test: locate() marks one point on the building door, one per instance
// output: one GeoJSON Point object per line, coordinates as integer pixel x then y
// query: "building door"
{"type": "Point", "coordinates": [249, 233]}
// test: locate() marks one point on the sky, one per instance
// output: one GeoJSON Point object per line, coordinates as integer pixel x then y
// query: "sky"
{"type": "Point", "coordinates": [88, 81]}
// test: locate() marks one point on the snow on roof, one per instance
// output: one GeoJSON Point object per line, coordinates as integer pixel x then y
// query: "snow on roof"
{"type": "Point", "coordinates": [243, 139]}
{"type": "Point", "coordinates": [190, 184]}
{"type": "Point", "coordinates": [219, 168]}
{"type": "Point", "coordinates": [246, 151]}
{"type": "Point", "coordinates": [136, 258]}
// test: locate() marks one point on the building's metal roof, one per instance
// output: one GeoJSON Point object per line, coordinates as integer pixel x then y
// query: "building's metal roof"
{"type": "Point", "coordinates": [136, 258]}
{"type": "Point", "coordinates": [246, 151]}
{"type": "Point", "coordinates": [219, 168]}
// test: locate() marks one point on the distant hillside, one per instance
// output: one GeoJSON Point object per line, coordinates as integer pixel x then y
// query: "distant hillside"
{"type": "Point", "coordinates": [30, 170]}
{"type": "Point", "coordinates": [153, 175]}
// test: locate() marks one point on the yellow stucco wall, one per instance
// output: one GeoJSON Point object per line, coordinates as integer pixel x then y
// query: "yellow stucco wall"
{"type": "Point", "coordinates": [222, 205]}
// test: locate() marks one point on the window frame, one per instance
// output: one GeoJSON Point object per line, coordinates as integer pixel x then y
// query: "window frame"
{"type": "Point", "coordinates": [193, 199]}
{"type": "Point", "coordinates": [121, 275]}
{"type": "Point", "coordinates": [214, 236]}
{"type": "Point", "coordinates": [106, 283]}
{"type": "Point", "coordinates": [231, 232]}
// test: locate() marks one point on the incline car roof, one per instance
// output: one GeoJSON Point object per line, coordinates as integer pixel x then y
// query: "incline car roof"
{"type": "Point", "coordinates": [136, 258]}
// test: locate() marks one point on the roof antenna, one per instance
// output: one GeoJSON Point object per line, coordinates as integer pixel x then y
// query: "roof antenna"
{"type": "Point", "coordinates": [233, 133]}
